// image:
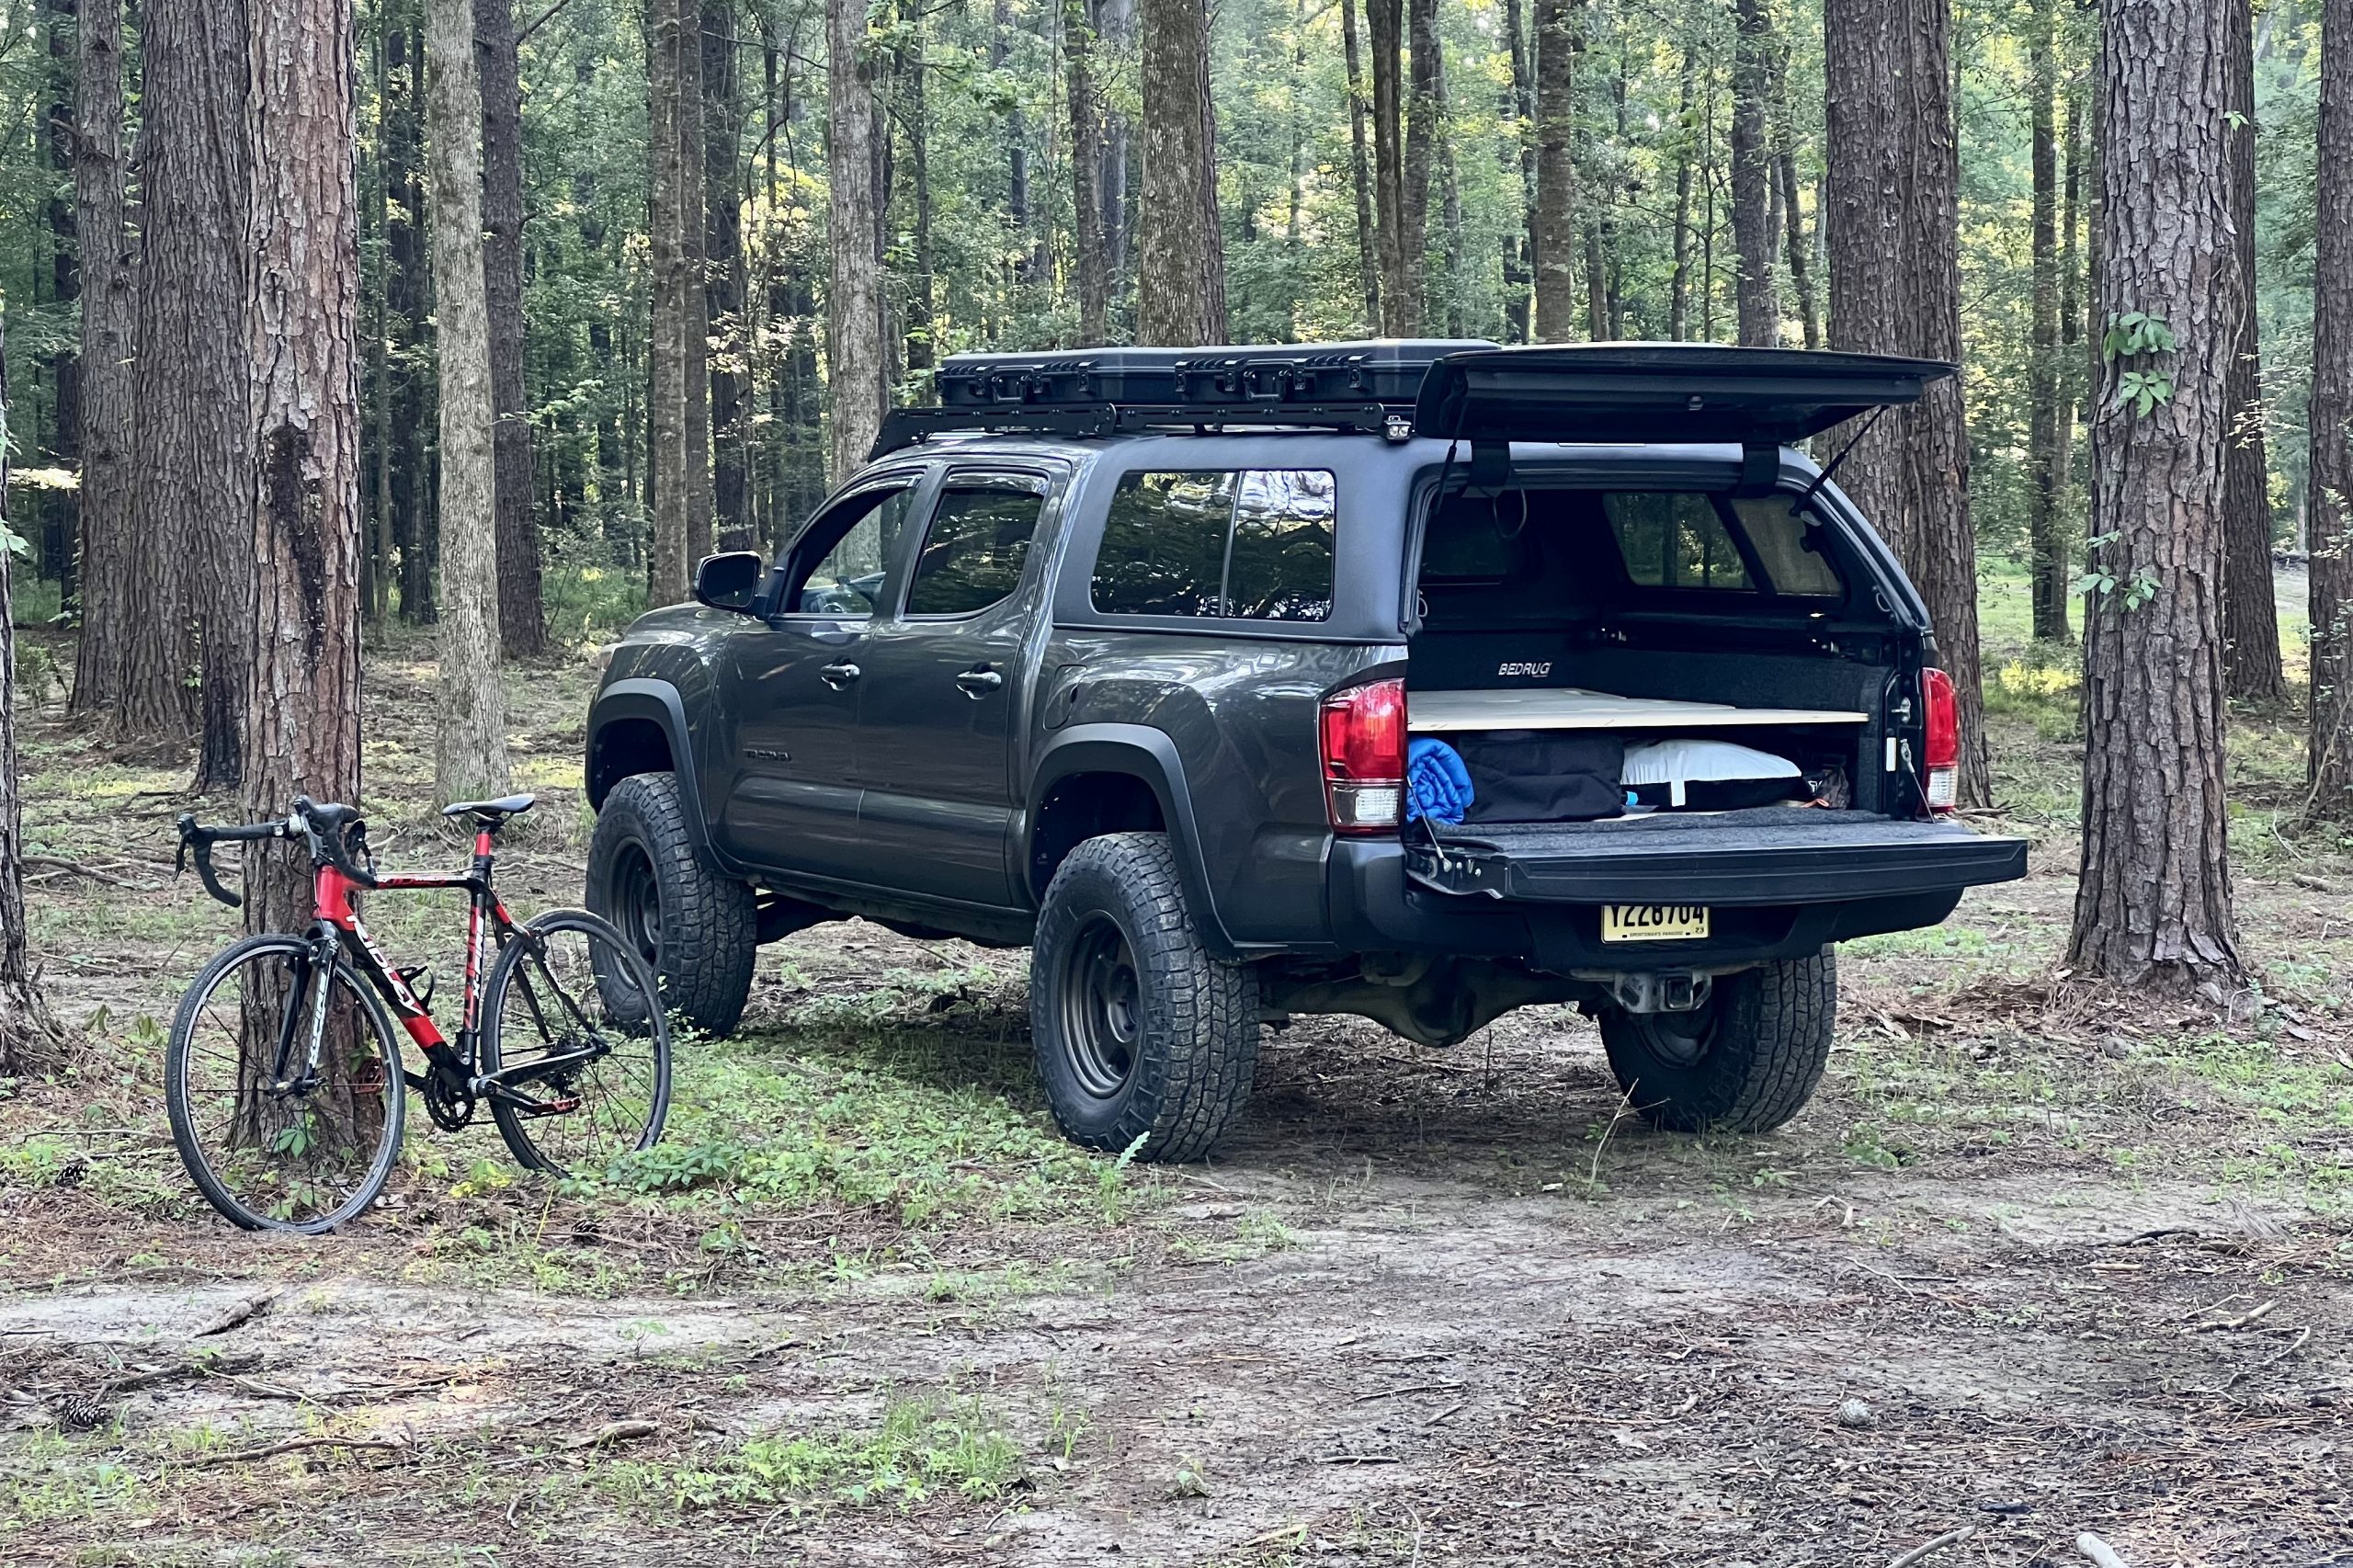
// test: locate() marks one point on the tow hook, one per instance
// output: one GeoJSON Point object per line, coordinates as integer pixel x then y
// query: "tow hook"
{"type": "Point", "coordinates": [1659, 991]}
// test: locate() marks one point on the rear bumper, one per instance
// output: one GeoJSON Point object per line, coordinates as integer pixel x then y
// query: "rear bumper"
{"type": "Point", "coordinates": [1783, 903]}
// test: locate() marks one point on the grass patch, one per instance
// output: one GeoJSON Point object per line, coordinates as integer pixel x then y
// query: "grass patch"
{"type": "Point", "coordinates": [925, 1445]}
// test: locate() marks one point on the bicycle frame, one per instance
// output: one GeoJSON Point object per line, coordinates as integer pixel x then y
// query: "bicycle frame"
{"type": "Point", "coordinates": [337, 929]}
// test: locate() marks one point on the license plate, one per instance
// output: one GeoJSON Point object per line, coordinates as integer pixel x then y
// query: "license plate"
{"type": "Point", "coordinates": [1653, 922]}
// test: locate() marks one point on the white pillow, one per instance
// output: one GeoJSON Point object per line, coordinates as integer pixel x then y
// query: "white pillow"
{"type": "Point", "coordinates": [1680, 762]}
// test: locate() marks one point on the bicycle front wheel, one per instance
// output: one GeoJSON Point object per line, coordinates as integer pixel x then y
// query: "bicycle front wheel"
{"type": "Point", "coordinates": [269, 1146]}
{"type": "Point", "coordinates": [573, 1035]}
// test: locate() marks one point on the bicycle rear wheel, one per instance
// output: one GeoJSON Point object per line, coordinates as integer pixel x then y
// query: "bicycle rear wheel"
{"type": "Point", "coordinates": [304, 1160]}
{"type": "Point", "coordinates": [571, 1029]}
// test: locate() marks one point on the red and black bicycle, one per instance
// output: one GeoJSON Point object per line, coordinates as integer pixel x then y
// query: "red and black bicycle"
{"type": "Point", "coordinates": [283, 1075]}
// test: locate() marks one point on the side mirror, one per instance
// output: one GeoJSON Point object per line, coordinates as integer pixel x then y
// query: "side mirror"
{"type": "Point", "coordinates": [730, 581]}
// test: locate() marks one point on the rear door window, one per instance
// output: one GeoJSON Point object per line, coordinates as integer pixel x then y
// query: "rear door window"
{"type": "Point", "coordinates": [1252, 545]}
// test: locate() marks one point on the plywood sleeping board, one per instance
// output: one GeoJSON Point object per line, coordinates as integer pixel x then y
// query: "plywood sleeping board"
{"type": "Point", "coordinates": [1567, 708]}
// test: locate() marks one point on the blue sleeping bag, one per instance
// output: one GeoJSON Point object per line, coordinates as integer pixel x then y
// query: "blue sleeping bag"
{"type": "Point", "coordinates": [1437, 784]}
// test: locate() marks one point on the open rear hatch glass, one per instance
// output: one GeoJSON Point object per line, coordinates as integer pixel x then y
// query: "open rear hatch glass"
{"type": "Point", "coordinates": [1647, 392]}
{"type": "Point", "coordinates": [1770, 855]}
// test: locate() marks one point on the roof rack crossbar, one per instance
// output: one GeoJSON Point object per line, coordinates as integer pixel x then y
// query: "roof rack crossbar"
{"type": "Point", "coordinates": [904, 427]}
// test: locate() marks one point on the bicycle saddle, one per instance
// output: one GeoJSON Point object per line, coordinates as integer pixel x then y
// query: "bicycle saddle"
{"type": "Point", "coordinates": [491, 813]}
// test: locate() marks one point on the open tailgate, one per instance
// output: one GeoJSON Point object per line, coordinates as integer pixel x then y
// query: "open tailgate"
{"type": "Point", "coordinates": [1660, 392]}
{"type": "Point", "coordinates": [1774, 855]}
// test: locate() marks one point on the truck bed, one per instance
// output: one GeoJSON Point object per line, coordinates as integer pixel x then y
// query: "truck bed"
{"type": "Point", "coordinates": [1771, 854]}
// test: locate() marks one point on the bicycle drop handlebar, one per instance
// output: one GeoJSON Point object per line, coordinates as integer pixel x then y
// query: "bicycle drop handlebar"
{"type": "Point", "coordinates": [331, 831]}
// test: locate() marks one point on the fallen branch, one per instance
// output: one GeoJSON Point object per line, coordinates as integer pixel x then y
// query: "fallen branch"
{"type": "Point", "coordinates": [1928, 1548]}
{"type": "Point", "coordinates": [293, 1446]}
{"type": "Point", "coordinates": [615, 1432]}
{"type": "Point", "coordinates": [2239, 1322]}
{"type": "Point", "coordinates": [59, 866]}
{"type": "Point", "coordinates": [2099, 1550]}
{"type": "Point", "coordinates": [2301, 1334]}
{"type": "Point", "coordinates": [251, 1307]}
{"type": "Point", "coordinates": [1399, 1393]}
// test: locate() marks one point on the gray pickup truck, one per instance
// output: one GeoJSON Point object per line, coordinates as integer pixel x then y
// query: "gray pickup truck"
{"type": "Point", "coordinates": [1140, 658]}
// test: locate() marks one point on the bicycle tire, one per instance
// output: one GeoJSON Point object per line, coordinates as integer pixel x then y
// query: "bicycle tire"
{"type": "Point", "coordinates": [178, 1067]}
{"type": "Point", "coordinates": [617, 980]}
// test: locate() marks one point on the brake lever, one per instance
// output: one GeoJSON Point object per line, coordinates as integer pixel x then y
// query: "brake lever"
{"type": "Point", "coordinates": [195, 837]}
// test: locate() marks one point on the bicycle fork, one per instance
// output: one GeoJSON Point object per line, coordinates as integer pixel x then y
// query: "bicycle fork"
{"type": "Point", "coordinates": [313, 976]}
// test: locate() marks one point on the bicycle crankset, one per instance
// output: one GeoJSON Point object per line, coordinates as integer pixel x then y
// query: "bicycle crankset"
{"type": "Point", "coordinates": [451, 1105]}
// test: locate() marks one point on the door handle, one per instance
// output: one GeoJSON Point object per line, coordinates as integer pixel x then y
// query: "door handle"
{"type": "Point", "coordinates": [978, 684]}
{"type": "Point", "coordinates": [839, 675]}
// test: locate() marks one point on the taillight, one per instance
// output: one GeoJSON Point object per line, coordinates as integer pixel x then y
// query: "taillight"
{"type": "Point", "coordinates": [1940, 760]}
{"type": "Point", "coordinates": [1364, 756]}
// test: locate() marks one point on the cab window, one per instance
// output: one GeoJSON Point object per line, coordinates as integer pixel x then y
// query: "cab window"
{"type": "Point", "coordinates": [978, 543]}
{"type": "Point", "coordinates": [858, 539]}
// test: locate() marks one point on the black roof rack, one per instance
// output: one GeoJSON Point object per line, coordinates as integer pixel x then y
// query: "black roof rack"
{"type": "Point", "coordinates": [1367, 387]}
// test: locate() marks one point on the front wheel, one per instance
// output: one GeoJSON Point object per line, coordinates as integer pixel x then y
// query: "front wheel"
{"type": "Point", "coordinates": [269, 1147]}
{"type": "Point", "coordinates": [699, 928]}
{"type": "Point", "coordinates": [1746, 1061]}
{"type": "Point", "coordinates": [576, 1045]}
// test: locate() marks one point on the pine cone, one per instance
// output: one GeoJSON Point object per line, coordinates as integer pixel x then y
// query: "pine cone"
{"type": "Point", "coordinates": [81, 1411]}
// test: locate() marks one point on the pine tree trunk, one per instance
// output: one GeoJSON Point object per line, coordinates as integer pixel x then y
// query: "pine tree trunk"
{"type": "Point", "coordinates": [378, 598]}
{"type": "Point", "coordinates": [854, 307]}
{"type": "Point", "coordinates": [2331, 482]}
{"type": "Point", "coordinates": [1799, 248]}
{"type": "Point", "coordinates": [1678, 287]}
{"type": "Point", "coordinates": [2250, 610]}
{"type": "Point", "coordinates": [410, 297]}
{"type": "Point", "coordinates": [724, 244]}
{"type": "Point", "coordinates": [2047, 556]}
{"type": "Point", "coordinates": [1385, 36]}
{"type": "Point", "coordinates": [2071, 311]}
{"type": "Point", "coordinates": [1520, 260]}
{"type": "Point", "coordinates": [1423, 68]}
{"type": "Point", "coordinates": [470, 761]}
{"type": "Point", "coordinates": [62, 366]}
{"type": "Point", "coordinates": [1555, 229]}
{"type": "Point", "coordinates": [695, 326]}
{"type": "Point", "coordinates": [1756, 289]}
{"type": "Point", "coordinates": [1180, 276]}
{"type": "Point", "coordinates": [28, 1034]}
{"type": "Point", "coordinates": [2152, 910]}
{"type": "Point", "coordinates": [666, 400]}
{"type": "Point", "coordinates": [109, 346]}
{"type": "Point", "coordinates": [301, 626]}
{"type": "Point", "coordinates": [1895, 289]}
{"type": "Point", "coordinates": [191, 446]}
{"type": "Point", "coordinates": [1086, 174]}
{"type": "Point", "coordinates": [522, 630]}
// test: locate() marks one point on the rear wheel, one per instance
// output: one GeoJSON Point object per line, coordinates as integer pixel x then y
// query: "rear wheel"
{"type": "Point", "coordinates": [699, 930]}
{"type": "Point", "coordinates": [307, 1157]}
{"type": "Point", "coordinates": [1746, 1061]}
{"type": "Point", "coordinates": [571, 1031]}
{"type": "Point", "coordinates": [1141, 1034]}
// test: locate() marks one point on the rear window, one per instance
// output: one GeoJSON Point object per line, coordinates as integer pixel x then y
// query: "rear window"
{"type": "Point", "coordinates": [1679, 540]}
{"type": "Point", "coordinates": [1251, 545]}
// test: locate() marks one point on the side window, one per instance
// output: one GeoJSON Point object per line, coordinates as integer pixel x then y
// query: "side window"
{"type": "Point", "coordinates": [1254, 545]}
{"type": "Point", "coordinates": [1674, 539]}
{"type": "Point", "coordinates": [847, 579]}
{"type": "Point", "coordinates": [1778, 534]}
{"type": "Point", "coordinates": [980, 538]}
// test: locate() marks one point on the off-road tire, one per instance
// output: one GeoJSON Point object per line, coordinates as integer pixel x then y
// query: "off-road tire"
{"type": "Point", "coordinates": [702, 927]}
{"type": "Point", "coordinates": [1194, 1019]}
{"type": "Point", "coordinates": [1762, 1040]}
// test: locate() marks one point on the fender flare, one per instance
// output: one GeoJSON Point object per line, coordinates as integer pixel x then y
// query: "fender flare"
{"type": "Point", "coordinates": [1150, 757]}
{"type": "Point", "coordinates": [659, 702]}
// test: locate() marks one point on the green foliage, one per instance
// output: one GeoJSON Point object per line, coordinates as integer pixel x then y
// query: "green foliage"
{"type": "Point", "coordinates": [937, 1443]}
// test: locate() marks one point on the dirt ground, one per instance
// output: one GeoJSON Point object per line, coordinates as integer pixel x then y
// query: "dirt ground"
{"type": "Point", "coordinates": [2037, 1261]}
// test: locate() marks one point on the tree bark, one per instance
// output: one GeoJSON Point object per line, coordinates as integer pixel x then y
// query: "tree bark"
{"type": "Point", "coordinates": [385, 549]}
{"type": "Point", "coordinates": [1678, 287]}
{"type": "Point", "coordinates": [1180, 278]}
{"type": "Point", "coordinates": [28, 1034]}
{"type": "Point", "coordinates": [2332, 425]}
{"type": "Point", "coordinates": [695, 328]}
{"type": "Point", "coordinates": [1895, 289]}
{"type": "Point", "coordinates": [61, 441]}
{"type": "Point", "coordinates": [1555, 229]}
{"type": "Point", "coordinates": [1520, 260]}
{"type": "Point", "coordinates": [470, 764]}
{"type": "Point", "coordinates": [2250, 611]}
{"type": "Point", "coordinates": [854, 308]}
{"type": "Point", "coordinates": [2048, 557]}
{"type": "Point", "coordinates": [192, 447]}
{"type": "Point", "coordinates": [302, 621]}
{"type": "Point", "coordinates": [1360, 170]}
{"type": "Point", "coordinates": [1093, 266]}
{"type": "Point", "coordinates": [723, 245]}
{"type": "Point", "coordinates": [666, 400]}
{"type": "Point", "coordinates": [109, 345]}
{"type": "Point", "coordinates": [1800, 249]}
{"type": "Point", "coordinates": [1755, 290]}
{"type": "Point", "coordinates": [409, 293]}
{"type": "Point", "coordinates": [522, 629]}
{"type": "Point", "coordinates": [1385, 36]}
{"type": "Point", "coordinates": [2153, 909]}
{"type": "Point", "coordinates": [1422, 89]}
